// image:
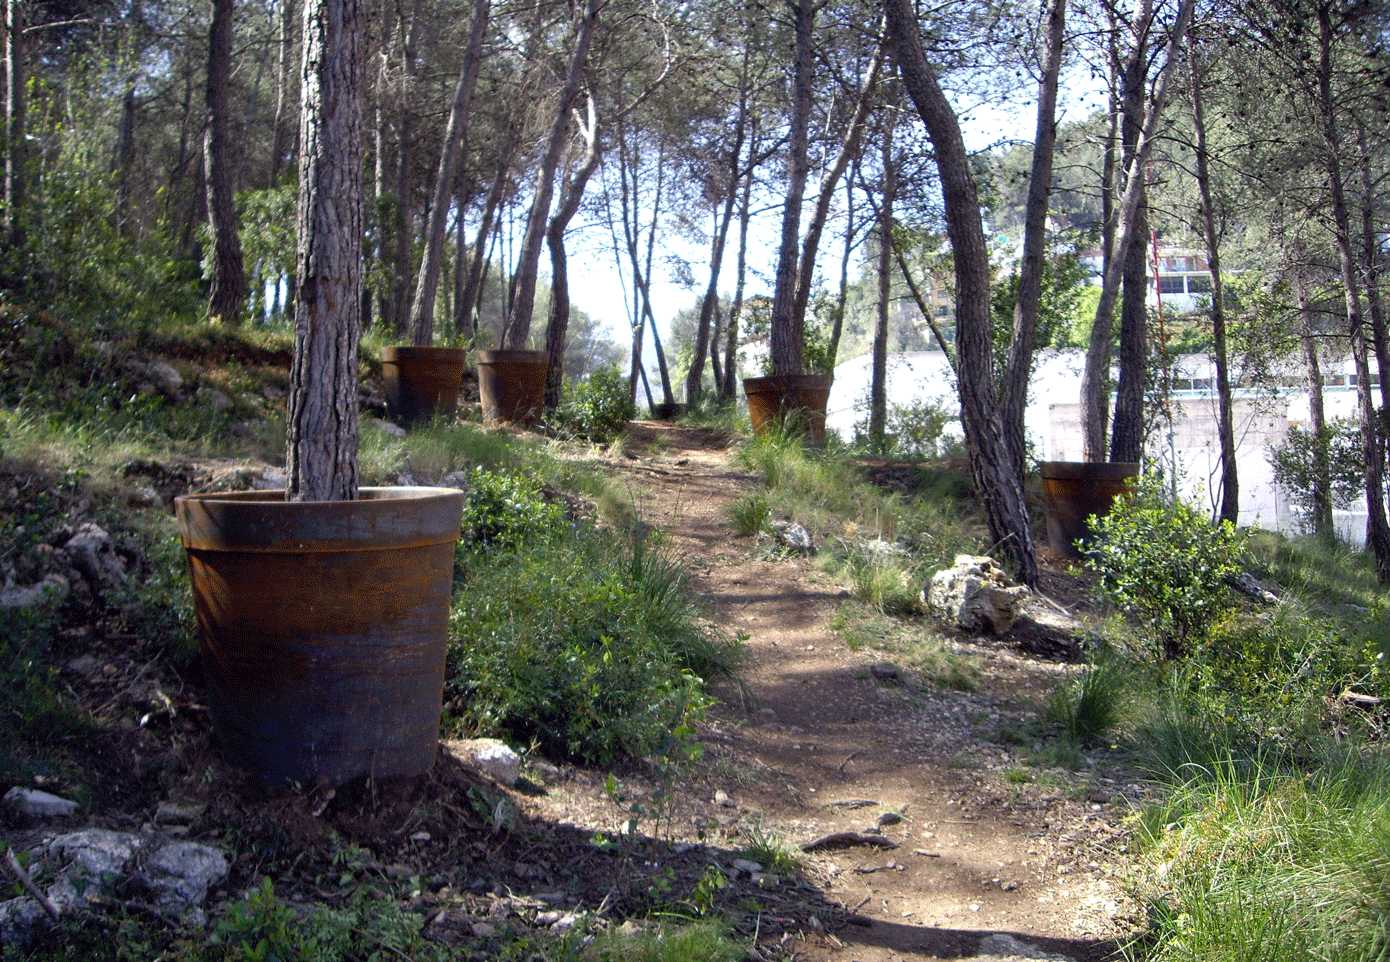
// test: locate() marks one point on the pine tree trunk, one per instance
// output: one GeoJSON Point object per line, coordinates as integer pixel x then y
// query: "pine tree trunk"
{"type": "Point", "coordinates": [321, 453]}
{"type": "Point", "coordinates": [997, 484]}
{"type": "Point", "coordinates": [787, 331]}
{"type": "Point", "coordinates": [227, 276]}
{"type": "Point", "coordinates": [427, 281]}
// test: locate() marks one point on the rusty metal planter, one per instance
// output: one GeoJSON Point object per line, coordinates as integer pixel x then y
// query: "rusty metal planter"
{"type": "Point", "coordinates": [421, 382]}
{"type": "Point", "coordinates": [323, 626]}
{"type": "Point", "coordinates": [772, 399]}
{"type": "Point", "coordinates": [511, 385]}
{"type": "Point", "coordinates": [1075, 490]}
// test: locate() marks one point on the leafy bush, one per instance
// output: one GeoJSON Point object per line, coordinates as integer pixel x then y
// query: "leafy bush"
{"type": "Point", "coordinates": [913, 430]}
{"type": "Point", "coordinates": [1164, 563]}
{"type": "Point", "coordinates": [586, 646]}
{"type": "Point", "coordinates": [1295, 463]}
{"type": "Point", "coordinates": [504, 509]}
{"type": "Point", "coordinates": [596, 409]}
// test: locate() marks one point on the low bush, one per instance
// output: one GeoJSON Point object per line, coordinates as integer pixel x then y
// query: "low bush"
{"type": "Point", "coordinates": [596, 409]}
{"type": "Point", "coordinates": [1165, 564]}
{"type": "Point", "coordinates": [505, 509]}
{"type": "Point", "coordinates": [587, 646]}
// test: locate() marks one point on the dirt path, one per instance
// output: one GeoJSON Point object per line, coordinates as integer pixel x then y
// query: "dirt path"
{"type": "Point", "coordinates": [832, 742]}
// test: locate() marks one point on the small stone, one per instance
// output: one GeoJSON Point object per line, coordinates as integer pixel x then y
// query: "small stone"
{"type": "Point", "coordinates": [889, 818]}
{"type": "Point", "coordinates": [420, 837]}
{"type": "Point", "coordinates": [489, 756]}
{"type": "Point", "coordinates": [37, 804]}
{"type": "Point", "coordinates": [178, 813]}
{"type": "Point", "coordinates": [180, 874]}
{"type": "Point", "coordinates": [747, 865]}
{"type": "Point", "coordinates": [722, 799]}
{"type": "Point", "coordinates": [885, 672]}
{"type": "Point", "coordinates": [484, 930]}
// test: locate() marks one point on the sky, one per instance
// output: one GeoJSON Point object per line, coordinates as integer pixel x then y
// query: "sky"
{"type": "Point", "coordinates": [601, 289]}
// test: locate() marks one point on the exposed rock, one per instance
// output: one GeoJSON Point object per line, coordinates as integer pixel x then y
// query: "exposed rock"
{"type": "Point", "coordinates": [395, 430]}
{"type": "Point", "coordinates": [1002, 947]}
{"type": "Point", "coordinates": [269, 480]}
{"type": "Point", "coordinates": [37, 804]}
{"type": "Point", "coordinates": [975, 595]}
{"type": "Point", "coordinates": [98, 852]}
{"type": "Point", "coordinates": [93, 554]}
{"type": "Point", "coordinates": [20, 920]}
{"type": "Point", "coordinates": [885, 672]}
{"type": "Point", "coordinates": [489, 756]}
{"type": "Point", "coordinates": [793, 535]}
{"type": "Point", "coordinates": [215, 399]}
{"type": "Point", "coordinates": [180, 873]}
{"type": "Point", "coordinates": [454, 479]}
{"type": "Point", "coordinates": [167, 379]}
{"type": "Point", "coordinates": [50, 592]}
{"type": "Point", "coordinates": [1246, 584]}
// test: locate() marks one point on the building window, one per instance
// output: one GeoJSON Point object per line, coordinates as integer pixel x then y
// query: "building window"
{"type": "Point", "coordinates": [1199, 284]}
{"type": "Point", "coordinates": [1170, 284]}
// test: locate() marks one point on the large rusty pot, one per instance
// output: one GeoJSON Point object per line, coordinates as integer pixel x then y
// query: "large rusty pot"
{"type": "Point", "coordinates": [1075, 490]}
{"type": "Point", "coordinates": [511, 385]}
{"type": "Point", "coordinates": [421, 382]}
{"type": "Point", "coordinates": [801, 398]}
{"type": "Point", "coordinates": [322, 627]}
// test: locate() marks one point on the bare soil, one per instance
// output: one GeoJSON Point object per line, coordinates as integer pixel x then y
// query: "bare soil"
{"type": "Point", "coordinates": [937, 825]}
{"type": "Point", "coordinates": [834, 740]}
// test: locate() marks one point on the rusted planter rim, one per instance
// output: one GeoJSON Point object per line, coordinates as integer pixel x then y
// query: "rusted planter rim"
{"type": "Point", "coordinates": [263, 521]}
{"type": "Point", "coordinates": [1088, 470]}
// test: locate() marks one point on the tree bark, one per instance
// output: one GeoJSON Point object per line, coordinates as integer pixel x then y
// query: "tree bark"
{"type": "Point", "coordinates": [1019, 366]}
{"type": "Point", "coordinates": [570, 198]}
{"type": "Point", "coordinates": [1096, 373]}
{"type": "Point", "coordinates": [997, 484]}
{"type": "Point", "coordinates": [321, 450]}
{"type": "Point", "coordinates": [878, 382]}
{"type": "Point", "coordinates": [227, 276]}
{"type": "Point", "coordinates": [1230, 484]}
{"type": "Point", "coordinates": [16, 111]}
{"type": "Point", "coordinates": [278, 151]}
{"type": "Point", "coordinates": [729, 389]}
{"type": "Point", "coordinates": [523, 287]}
{"type": "Point", "coordinates": [694, 379]}
{"type": "Point", "coordinates": [1377, 527]}
{"type": "Point", "coordinates": [1317, 419]}
{"type": "Point", "coordinates": [1127, 429]}
{"type": "Point", "coordinates": [787, 331]}
{"type": "Point", "coordinates": [427, 281]}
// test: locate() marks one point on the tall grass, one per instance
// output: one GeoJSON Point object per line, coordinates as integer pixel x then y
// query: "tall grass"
{"type": "Point", "coordinates": [1259, 860]}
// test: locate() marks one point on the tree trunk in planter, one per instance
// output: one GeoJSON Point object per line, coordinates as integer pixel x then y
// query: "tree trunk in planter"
{"type": "Point", "coordinates": [321, 451]}
{"type": "Point", "coordinates": [227, 287]}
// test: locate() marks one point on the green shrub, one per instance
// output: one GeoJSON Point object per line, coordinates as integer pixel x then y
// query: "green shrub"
{"type": "Point", "coordinates": [1090, 705]}
{"type": "Point", "coordinates": [504, 509]}
{"type": "Point", "coordinates": [587, 646]}
{"type": "Point", "coordinates": [595, 409]}
{"type": "Point", "coordinates": [1164, 563]}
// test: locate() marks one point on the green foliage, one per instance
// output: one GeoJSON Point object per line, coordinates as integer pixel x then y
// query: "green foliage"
{"type": "Point", "coordinates": [770, 851]}
{"type": "Point", "coordinates": [695, 942]}
{"type": "Point", "coordinates": [504, 509]}
{"type": "Point", "coordinates": [1164, 563]}
{"type": "Point", "coordinates": [1088, 707]}
{"type": "Point", "coordinates": [1063, 279]}
{"type": "Point", "coordinates": [596, 409]}
{"type": "Point", "coordinates": [1259, 861]}
{"type": "Point", "coordinates": [588, 646]}
{"type": "Point", "coordinates": [913, 430]}
{"type": "Point", "coordinates": [1296, 464]}
{"type": "Point", "coordinates": [750, 513]}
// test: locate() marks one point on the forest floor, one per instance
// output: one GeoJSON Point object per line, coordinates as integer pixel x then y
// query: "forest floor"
{"type": "Point", "coordinates": [940, 819]}
{"type": "Point", "coordinates": [831, 740]}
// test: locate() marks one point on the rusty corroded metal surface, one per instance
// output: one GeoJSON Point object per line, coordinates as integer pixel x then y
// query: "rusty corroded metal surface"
{"type": "Point", "coordinates": [323, 627]}
{"type": "Point", "coordinates": [1075, 490]}
{"type": "Point", "coordinates": [421, 382]}
{"type": "Point", "coordinates": [512, 385]}
{"type": "Point", "coordinates": [771, 399]}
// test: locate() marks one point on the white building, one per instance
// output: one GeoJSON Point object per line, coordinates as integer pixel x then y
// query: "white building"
{"type": "Point", "coordinates": [1188, 440]}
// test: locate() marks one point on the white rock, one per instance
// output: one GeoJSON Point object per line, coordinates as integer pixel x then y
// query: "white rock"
{"type": "Point", "coordinates": [179, 873]}
{"type": "Point", "coordinates": [488, 755]}
{"type": "Point", "coordinates": [102, 853]}
{"type": "Point", "coordinates": [37, 804]}
{"type": "Point", "coordinates": [1003, 946]}
{"type": "Point", "coordinates": [975, 595]}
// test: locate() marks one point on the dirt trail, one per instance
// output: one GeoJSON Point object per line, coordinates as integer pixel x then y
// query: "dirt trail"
{"type": "Point", "coordinates": [833, 743]}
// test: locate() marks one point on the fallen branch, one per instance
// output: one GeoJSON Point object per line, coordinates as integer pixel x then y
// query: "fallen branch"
{"type": "Point", "coordinates": [19, 873]}
{"type": "Point", "coordinates": [845, 839]}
